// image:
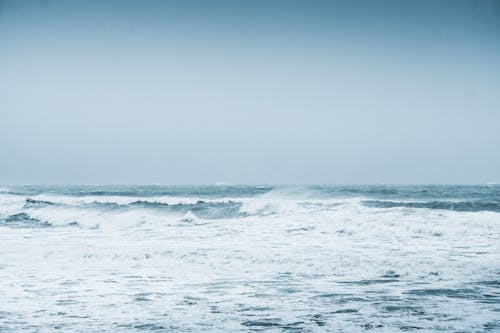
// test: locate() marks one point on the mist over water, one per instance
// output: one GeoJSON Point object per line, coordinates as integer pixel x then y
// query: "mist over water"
{"type": "Point", "coordinates": [249, 258]}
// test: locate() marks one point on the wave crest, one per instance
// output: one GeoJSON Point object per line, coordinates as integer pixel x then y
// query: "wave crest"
{"type": "Point", "coordinates": [459, 206]}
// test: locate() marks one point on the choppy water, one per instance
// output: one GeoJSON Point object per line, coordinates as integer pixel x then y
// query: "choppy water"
{"type": "Point", "coordinates": [250, 258]}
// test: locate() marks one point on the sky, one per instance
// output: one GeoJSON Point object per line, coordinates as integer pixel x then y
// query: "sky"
{"type": "Point", "coordinates": [288, 92]}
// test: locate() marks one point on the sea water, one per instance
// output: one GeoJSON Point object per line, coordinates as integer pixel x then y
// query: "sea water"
{"type": "Point", "coordinates": [249, 258]}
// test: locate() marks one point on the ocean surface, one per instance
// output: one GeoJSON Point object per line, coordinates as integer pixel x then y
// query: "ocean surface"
{"type": "Point", "coordinates": [249, 258]}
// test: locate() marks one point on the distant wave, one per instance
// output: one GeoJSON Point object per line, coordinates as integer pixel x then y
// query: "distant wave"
{"type": "Point", "coordinates": [201, 209]}
{"type": "Point", "coordinates": [461, 206]}
{"type": "Point", "coordinates": [32, 203]}
{"type": "Point", "coordinates": [88, 206]}
{"type": "Point", "coordinates": [139, 191]}
{"type": "Point", "coordinates": [241, 207]}
{"type": "Point", "coordinates": [210, 209]}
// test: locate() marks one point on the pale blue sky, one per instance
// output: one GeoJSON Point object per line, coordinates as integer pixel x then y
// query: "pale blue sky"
{"type": "Point", "coordinates": [180, 92]}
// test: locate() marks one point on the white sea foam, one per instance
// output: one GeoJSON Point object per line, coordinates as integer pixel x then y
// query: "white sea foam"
{"type": "Point", "coordinates": [317, 264]}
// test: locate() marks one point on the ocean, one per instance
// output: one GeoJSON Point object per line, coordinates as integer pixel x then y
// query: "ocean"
{"type": "Point", "coordinates": [250, 258]}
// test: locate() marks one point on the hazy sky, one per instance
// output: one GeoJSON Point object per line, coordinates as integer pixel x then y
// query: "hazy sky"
{"type": "Point", "coordinates": [249, 92]}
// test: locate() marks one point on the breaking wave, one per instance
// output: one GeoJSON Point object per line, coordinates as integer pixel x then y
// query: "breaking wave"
{"type": "Point", "coordinates": [23, 220]}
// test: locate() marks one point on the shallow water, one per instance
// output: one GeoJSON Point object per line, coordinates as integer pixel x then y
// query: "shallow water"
{"type": "Point", "coordinates": [249, 258]}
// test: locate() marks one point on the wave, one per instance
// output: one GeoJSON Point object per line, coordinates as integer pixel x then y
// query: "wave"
{"type": "Point", "coordinates": [23, 220]}
{"type": "Point", "coordinates": [64, 210]}
{"type": "Point", "coordinates": [264, 205]}
{"type": "Point", "coordinates": [458, 206]}
{"type": "Point", "coordinates": [298, 204]}
{"type": "Point", "coordinates": [141, 190]}
{"type": "Point", "coordinates": [123, 200]}
{"type": "Point", "coordinates": [201, 209]}
{"type": "Point", "coordinates": [32, 203]}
